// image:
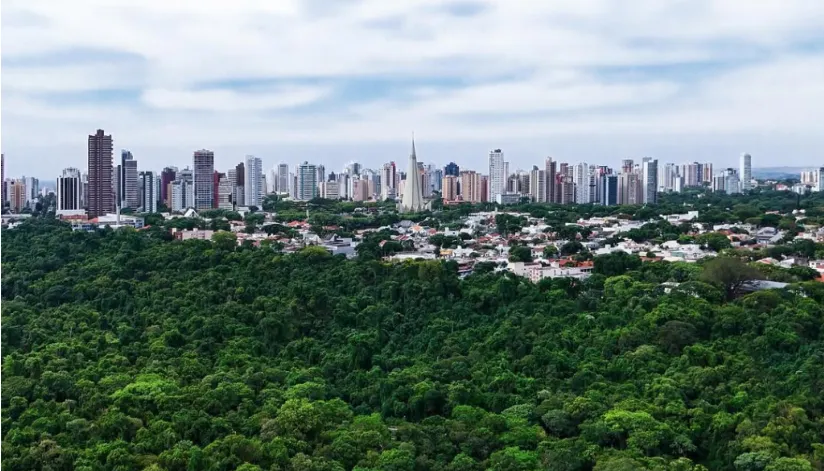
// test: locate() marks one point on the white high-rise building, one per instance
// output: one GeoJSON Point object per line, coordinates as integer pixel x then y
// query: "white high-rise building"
{"type": "Point", "coordinates": [497, 174]}
{"type": "Point", "coordinates": [253, 183]}
{"type": "Point", "coordinates": [69, 192]}
{"type": "Point", "coordinates": [329, 190]}
{"type": "Point", "coordinates": [649, 175]}
{"type": "Point", "coordinates": [282, 185]}
{"type": "Point", "coordinates": [745, 172]}
{"type": "Point", "coordinates": [580, 177]}
{"type": "Point", "coordinates": [307, 181]}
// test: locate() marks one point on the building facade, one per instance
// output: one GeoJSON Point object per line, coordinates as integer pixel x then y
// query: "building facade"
{"type": "Point", "coordinates": [100, 195]}
{"type": "Point", "coordinates": [69, 192]}
{"type": "Point", "coordinates": [204, 168]}
{"type": "Point", "coordinates": [307, 181]}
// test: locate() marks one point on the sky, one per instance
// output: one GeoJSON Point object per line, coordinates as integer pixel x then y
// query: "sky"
{"type": "Point", "coordinates": [331, 81]}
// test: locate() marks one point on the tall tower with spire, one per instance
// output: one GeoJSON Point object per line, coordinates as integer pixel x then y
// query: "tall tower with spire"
{"type": "Point", "coordinates": [412, 200]}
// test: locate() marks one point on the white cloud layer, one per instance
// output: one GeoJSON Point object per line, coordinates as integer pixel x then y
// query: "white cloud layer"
{"type": "Point", "coordinates": [165, 76]}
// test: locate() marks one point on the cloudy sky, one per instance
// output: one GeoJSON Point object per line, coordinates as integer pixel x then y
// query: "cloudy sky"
{"type": "Point", "coordinates": [334, 80]}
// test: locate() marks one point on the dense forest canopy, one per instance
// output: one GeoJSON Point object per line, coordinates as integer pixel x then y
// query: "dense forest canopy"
{"type": "Point", "coordinates": [126, 351]}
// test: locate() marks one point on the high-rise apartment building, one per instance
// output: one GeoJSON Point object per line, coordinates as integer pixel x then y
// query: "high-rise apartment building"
{"type": "Point", "coordinates": [389, 181]}
{"type": "Point", "coordinates": [17, 195]}
{"type": "Point", "coordinates": [537, 185]}
{"type": "Point", "coordinates": [224, 191]}
{"type": "Point", "coordinates": [452, 169]}
{"type": "Point", "coordinates": [204, 169]}
{"type": "Point", "coordinates": [745, 172]}
{"type": "Point", "coordinates": [627, 166]}
{"type": "Point", "coordinates": [649, 174]}
{"type": "Point", "coordinates": [497, 174]}
{"type": "Point", "coordinates": [608, 190]}
{"type": "Point", "coordinates": [307, 184]}
{"type": "Point", "coordinates": [69, 192]}
{"type": "Point", "coordinates": [329, 190]}
{"type": "Point", "coordinates": [100, 197]}
{"type": "Point", "coordinates": [580, 176]}
{"type": "Point", "coordinates": [449, 187]}
{"type": "Point", "coordinates": [148, 191]}
{"type": "Point", "coordinates": [253, 189]}
{"type": "Point", "coordinates": [321, 173]}
{"type": "Point", "coordinates": [706, 178]}
{"type": "Point", "coordinates": [550, 171]}
{"type": "Point", "coordinates": [167, 176]}
{"type": "Point", "coordinates": [471, 186]}
{"type": "Point", "coordinates": [630, 189]}
{"type": "Point", "coordinates": [283, 179]}
{"type": "Point", "coordinates": [129, 192]}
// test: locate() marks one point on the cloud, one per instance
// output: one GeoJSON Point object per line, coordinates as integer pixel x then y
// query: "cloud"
{"type": "Point", "coordinates": [229, 100]}
{"type": "Point", "coordinates": [258, 75]}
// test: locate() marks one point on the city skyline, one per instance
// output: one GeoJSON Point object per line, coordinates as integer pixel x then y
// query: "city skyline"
{"type": "Point", "coordinates": [583, 81]}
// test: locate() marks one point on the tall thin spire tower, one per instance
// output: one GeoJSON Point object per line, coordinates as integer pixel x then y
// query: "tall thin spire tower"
{"type": "Point", "coordinates": [412, 200]}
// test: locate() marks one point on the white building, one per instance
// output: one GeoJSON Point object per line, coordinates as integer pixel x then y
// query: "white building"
{"type": "Point", "coordinates": [282, 185]}
{"type": "Point", "coordinates": [497, 174]}
{"type": "Point", "coordinates": [745, 172]}
{"type": "Point", "coordinates": [253, 191]}
{"type": "Point", "coordinates": [69, 192]}
{"type": "Point", "coordinates": [329, 190]}
{"type": "Point", "coordinates": [580, 177]}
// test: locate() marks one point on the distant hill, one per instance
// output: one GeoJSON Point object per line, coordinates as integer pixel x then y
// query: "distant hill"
{"type": "Point", "coordinates": [778, 173]}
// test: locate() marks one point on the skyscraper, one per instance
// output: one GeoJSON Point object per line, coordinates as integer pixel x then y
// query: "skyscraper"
{"type": "Point", "coordinates": [17, 195]}
{"type": "Point", "coordinates": [630, 189]}
{"type": "Point", "coordinates": [253, 191]}
{"type": "Point", "coordinates": [452, 169]}
{"type": "Point", "coordinates": [282, 185]}
{"type": "Point", "coordinates": [497, 174]}
{"type": "Point", "coordinates": [69, 192]}
{"type": "Point", "coordinates": [627, 166]}
{"type": "Point", "coordinates": [609, 190]}
{"type": "Point", "coordinates": [550, 171]}
{"type": "Point", "coordinates": [204, 168]}
{"type": "Point", "coordinates": [412, 200]}
{"type": "Point", "coordinates": [307, 184]}
{"type": "Point", "coordinates": [537, 185]}
{"type": "Point", "coordinates": [128, 181]}
{"type": "Point", "coordinates": [649, 173]}
{"type": "Point", "coordinates": [100, 174]}
{"type": "Point", "coordinates": [389, 181]}
{"type": "Point", "coordinates": [224, 191]}
{"type": "Point", "coordinates": [148, 192]}
{"type": "Point", "coordinates": [449, 188]}
{"type": "Point", "coordinates": [471, 186]}
{"type": "Point", "coordinates": [745, 173]}
{"type": "Point", "coordinates": [239, 191]}
{"type": "Point", "coordinates": [167, 176]}
{"type": "Point", "coordinates": [580, 176]}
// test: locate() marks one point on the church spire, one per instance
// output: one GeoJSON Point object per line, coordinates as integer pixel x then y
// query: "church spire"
{"type": "Point", "coordinates": [413, 145]}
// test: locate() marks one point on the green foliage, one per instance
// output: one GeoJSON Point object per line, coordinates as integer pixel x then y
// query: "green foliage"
{"type": "Point", "coordinates": [125, 351]}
